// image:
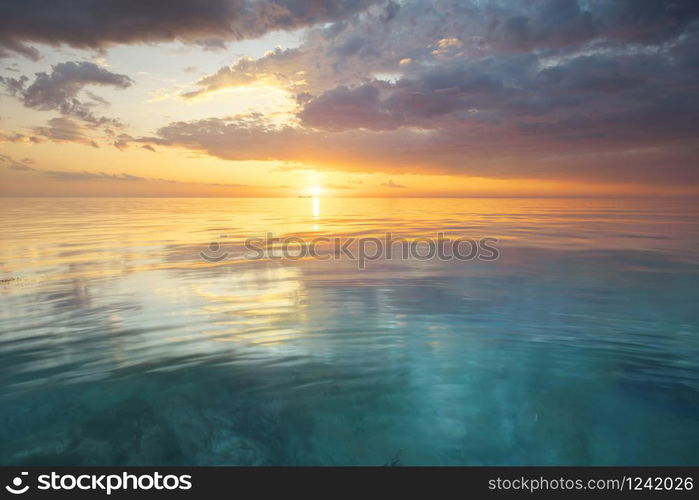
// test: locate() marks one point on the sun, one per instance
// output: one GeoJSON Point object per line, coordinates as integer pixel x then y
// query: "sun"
{"type": "Point", "coordinates": [315, 190]}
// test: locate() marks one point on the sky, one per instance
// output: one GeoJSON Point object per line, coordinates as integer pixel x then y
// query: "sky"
{"type": "Point", "coordinates": [349, 98]}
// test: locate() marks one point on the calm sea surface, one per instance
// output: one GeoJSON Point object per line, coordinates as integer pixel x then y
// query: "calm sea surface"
{"type": "Point", "coordinates": [119, 344]}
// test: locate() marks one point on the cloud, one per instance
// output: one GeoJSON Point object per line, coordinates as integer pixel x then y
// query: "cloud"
{"type": "Point", "coordinates": [328, 57]}
{"type": "Point", "coordinates": [572, 150]}
{"type": "Point", "coordinates": [66, 175]}
{"type": "Point", "coordinates": [8, 47]}
{"type": "Point", "coordinates": [562, 23]}
{"type": "Point", "coordinates": [91, 24]}
{"type": "Point", "coordinates": [391, 184]}
{"type": "Point", "coordinates": [14, 86]}
{"type": "Point", "coordinates": [63, 129]}
{"type": "Point", "coordinates": [346, 108]}
{"type": "Point", "coordinates": [13, 137]}
{"type": "Point", "coordinates": [648, 22]}
{"type": "Point", "coordinates": [514, 90]}
{"type": "Point", "coordinates": [446, 47]}
{"type": "Point", "coordinates": [30, 181]}
{"type": "Point", "coordinates": [81, 176]}
{"type": "Point", "coordinates": [59, 89]}
{"type": "Point", "coordinates": [23, 165]}
{"type": "Point", "coordinates": [277, 66]}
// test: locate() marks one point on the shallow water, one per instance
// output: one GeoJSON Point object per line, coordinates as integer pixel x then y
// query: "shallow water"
{"type": "Point", "coordinates": [120, 345]}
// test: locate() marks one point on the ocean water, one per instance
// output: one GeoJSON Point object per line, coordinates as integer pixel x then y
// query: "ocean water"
{"type": "Point", "coordinates": [121, 345]}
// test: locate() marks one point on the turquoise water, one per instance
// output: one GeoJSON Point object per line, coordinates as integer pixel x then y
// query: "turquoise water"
{"type": "Point", "coordinates": [120, 345]}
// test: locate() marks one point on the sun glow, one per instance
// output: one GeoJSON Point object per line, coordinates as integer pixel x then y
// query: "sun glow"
{"type": "Point", "coordinates": [315, 190]}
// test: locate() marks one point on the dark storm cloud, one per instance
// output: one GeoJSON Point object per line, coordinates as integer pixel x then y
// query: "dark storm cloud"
{"type": "Point", "coordinates": [352, 46]}
{"type": "Point", "coordinates": [643, 21]}
{"type": "Point", "coordinates": [569, 89]}
{"type": "Point", "coordinates": [595, 74]}
{"type": "Point", "coordinates": [346, 108]}
{"type": "Point", "coordinates": [559, 23]}
{"type": "Point", "coordinates": [100, 23]}
{"type": "Point", "coordinates": [505, 87]}
{"type": "Point", "coordinates": [551, 23]}
{"type": "Point", "coordinates": [59, 89]}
